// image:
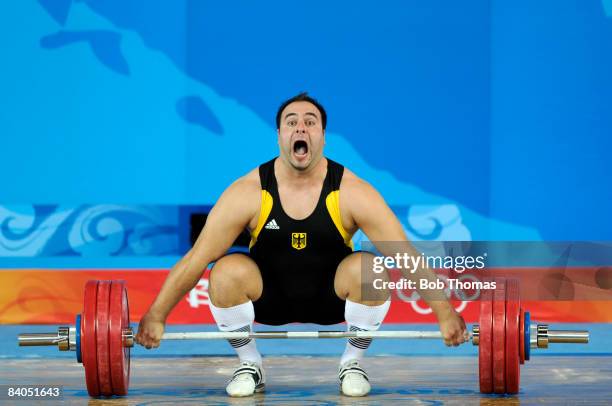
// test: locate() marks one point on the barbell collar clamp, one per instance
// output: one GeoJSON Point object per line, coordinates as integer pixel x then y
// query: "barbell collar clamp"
{"type": "Point", "coordinates": [128, 337]}
{"type": "Point", "coordinates": [72, 339]}
{"type": "Point", "coordinates": [542, 335]}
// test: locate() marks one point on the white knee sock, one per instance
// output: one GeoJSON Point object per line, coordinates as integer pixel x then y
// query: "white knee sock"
{"type": "Point", "coordinates": [361, 317]}
{"type": "Point", "coordinates": [238, 318]}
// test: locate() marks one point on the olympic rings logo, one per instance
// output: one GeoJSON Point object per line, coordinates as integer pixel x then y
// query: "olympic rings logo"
{"type": "Point", "coordinates": [414, 297]}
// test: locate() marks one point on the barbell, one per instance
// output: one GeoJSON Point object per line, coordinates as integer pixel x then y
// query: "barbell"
{"type": "Point", "coordinates": [102, 337]}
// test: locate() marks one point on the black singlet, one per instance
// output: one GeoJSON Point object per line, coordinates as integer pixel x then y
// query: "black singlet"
{"type": "Point", "coordinates": [298, 258]}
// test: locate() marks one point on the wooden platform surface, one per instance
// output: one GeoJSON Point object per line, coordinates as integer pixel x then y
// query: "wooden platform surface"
{"type": "Point", "coordinates": [296, 380]}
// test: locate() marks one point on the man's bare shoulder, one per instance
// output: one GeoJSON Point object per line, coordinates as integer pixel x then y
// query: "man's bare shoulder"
{"type": "Point", "coordinates": [240, 201]}
{"type": "Point", "coordinates": [247, 184]}
{"type": "Point", "coordinates": [352, 184]}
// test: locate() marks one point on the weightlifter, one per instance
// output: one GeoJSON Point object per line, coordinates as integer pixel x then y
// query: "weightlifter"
{"type": "Point", "coordinates": [301, 210]}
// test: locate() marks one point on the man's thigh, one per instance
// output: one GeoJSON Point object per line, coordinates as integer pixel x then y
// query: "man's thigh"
{"type": "Point", "coordinates": [235, 278]}
{"type": "Point", "coordinates": [355, 280]}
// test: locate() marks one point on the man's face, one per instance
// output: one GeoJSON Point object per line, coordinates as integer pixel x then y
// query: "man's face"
{"type": "Point", "coordinates": [301, 136]}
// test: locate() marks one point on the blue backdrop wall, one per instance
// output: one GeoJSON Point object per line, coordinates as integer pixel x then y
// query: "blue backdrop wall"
{"type": "Point", "coordinates": [476, 120]}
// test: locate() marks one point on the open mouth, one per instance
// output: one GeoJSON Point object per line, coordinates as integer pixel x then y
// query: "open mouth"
{"type": "Point", "coordinates": [300, 147]}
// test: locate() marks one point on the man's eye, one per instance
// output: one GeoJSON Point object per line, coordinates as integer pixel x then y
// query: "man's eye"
{"type": "Point", "coordinates": [291, 123]}
{"type": "Point", "coordinates": [310, 123]}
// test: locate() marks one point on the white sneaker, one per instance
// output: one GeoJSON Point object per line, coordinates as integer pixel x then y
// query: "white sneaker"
{"type": "Point", "coordinates": [248, 379]}
{"type": "Point", "coordinates": [353, 379]}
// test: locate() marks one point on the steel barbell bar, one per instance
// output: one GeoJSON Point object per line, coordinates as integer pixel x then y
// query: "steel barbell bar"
{"type": "Point", "coordinates": [543, 336]}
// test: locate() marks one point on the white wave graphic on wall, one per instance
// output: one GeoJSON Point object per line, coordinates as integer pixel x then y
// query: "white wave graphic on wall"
{"type": "Point", "coordinates": [98, 231]}
{"type": "Point", "coordinates": [19, 239]}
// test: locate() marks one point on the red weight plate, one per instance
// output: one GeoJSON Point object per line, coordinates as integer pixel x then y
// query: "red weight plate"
{"type": "Point", "coordinates": [513, 336]}
{"type": "Point", "coordinates": [104, 376]}
{"type": "Point", "coordinates": [522, 336]}
{"type": "Point", "coordinates": [119, 354]}
{"type": "Point", "coordinates": [485, 339]}
{"type": "Point", "coordinates": [499, 336]}
{"type": "Point", "coordinates": [88, 338]}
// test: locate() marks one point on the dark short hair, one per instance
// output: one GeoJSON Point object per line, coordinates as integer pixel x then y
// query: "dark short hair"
{"type": "Point", "coordinates": [301, 97]}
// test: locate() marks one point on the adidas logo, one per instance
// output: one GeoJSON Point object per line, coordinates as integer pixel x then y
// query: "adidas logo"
{"type": "Point", "coordinates": [272, 225]}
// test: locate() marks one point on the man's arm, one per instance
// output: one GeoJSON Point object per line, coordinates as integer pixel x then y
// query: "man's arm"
{"type": "Point", "coordinates": [232, 213]}
{"type": "Point", "coordinates": [366, 209]}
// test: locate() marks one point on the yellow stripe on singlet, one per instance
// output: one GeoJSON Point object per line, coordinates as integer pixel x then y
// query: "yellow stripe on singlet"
{"type": "Point", "coordinates": [332, 201]}
{"type": "Point", "coordinates": [264, 212]}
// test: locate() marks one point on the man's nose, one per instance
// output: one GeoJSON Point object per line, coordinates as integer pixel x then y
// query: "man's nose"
{"type": "Point", "coordinates": [301, 127]}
